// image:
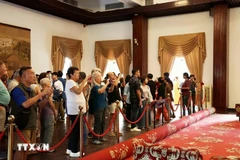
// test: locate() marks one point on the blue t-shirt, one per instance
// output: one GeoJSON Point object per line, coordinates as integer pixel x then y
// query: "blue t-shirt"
{"type": "Point", "coordinates": [18, 96]}
{"type": "Point", "coordinates": [98, 100]}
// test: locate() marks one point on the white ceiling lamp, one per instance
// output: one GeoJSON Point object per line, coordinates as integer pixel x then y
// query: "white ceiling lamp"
{"type": "Point", "coordinates": [181, 3]}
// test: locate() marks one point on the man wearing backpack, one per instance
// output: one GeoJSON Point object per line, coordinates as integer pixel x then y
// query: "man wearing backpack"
{"type": "Point", "coordinates": [57, 95]}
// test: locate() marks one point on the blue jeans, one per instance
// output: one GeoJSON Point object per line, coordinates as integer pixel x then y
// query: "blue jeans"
{"type": "Point", "coordinates": [142, 122]}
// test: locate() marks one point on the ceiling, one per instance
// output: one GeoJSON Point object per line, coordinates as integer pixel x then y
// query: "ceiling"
{"type": "Point", "coordinates": [99, 5]}
{"type": "Point", "coordinates": [84, 16]}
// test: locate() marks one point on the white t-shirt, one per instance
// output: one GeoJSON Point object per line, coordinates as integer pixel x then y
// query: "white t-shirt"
{"type": "Point", "coordinates": [74, 100]}
{"type": "Point", "coordinates": [12, 84]}
{"type": "Point", "coordinates": [58, 85]}
{"type": "Point", "coordinates": [147, 93]}
{"type": "Point", "coordinates": [126, 92]}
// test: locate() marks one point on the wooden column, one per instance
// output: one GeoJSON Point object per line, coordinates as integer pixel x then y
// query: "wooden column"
{"type": "Point", "coordinates": [220, 58]}
{"type": "Point", "coordinates": [140, 43]}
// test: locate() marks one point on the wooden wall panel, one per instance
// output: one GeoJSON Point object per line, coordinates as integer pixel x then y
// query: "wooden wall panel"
{"type": "Point", "coordinates": [140, 44]}
{"type": "Point", "coordinates": [220, 58]}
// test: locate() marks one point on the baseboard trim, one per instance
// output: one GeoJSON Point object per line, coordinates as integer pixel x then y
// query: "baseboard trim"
{"type": "Point", "coordinates": [231, 110]}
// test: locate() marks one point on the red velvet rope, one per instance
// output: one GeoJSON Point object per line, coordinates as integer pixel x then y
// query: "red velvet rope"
{"type": "Point", "coordinates": [1, 135]}
{"type": "Point", "coordinates": [177, 104]}
{"type": "Point", "coordinates": [58, 144]}
{"type": "Point", "coordinates": [203, 101]}
{"type": "Point", "coordinates": [109, 127]}
{"type": "Point", "coordinates": [145, 109]}
{"type": "Point", "coordinates": [189, 100]}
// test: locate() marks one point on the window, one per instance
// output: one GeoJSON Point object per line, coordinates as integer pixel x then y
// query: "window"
{"type": "Point", "coordinates": [111, 67]}
{"type": "Point", "coordinates": [179, 67]}
{"type": "Point", "coordinates": [67, 64]}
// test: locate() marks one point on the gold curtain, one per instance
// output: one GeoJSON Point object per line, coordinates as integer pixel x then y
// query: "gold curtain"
{"type": "Point", "coordinates": [191, 46]}
{"type": "Point", "coordinates": [116, 49]}
{"type": "Point", "coordinates": [65, 47]}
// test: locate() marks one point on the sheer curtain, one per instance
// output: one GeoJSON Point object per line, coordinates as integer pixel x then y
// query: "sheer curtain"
{"type": "Point", "coordinates": [115, 49]}
{"type": "Point", "coordinates": [191, 46]}
{"type": "Point", "coordinates": [65, 47]}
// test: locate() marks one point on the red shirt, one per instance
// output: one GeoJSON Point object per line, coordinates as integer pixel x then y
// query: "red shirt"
{"type": "Point", "coordinates": [186, 92]}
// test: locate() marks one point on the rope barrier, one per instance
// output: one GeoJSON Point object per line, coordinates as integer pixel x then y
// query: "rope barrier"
{"type": "Point", "coordinates": [1, 135]}
{"type": "Point", "coordinates": [109, 127]}
{"type": "Point", "coordinates": [145, 109]}
{"type": "Point", "coordinates": [203, 101]}
{"type": "Point", "coordinates": [177, 105]}
{"type": "Point", "coordinates": [58, 144]}
{"type": "Point", "coordinates": [190, 99]}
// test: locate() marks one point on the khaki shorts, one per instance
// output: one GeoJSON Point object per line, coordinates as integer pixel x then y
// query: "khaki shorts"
{"type": "Point", "coordinates": [112, 107]}
{"type": "Point", "coordinates": [2, 118]}
{"type": "Point", "coordinates": [30, 137]}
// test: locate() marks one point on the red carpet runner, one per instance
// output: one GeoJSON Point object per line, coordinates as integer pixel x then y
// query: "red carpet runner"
{"type": "Point", "coordinates": [215, 135]}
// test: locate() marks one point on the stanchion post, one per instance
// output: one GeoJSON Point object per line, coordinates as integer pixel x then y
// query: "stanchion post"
{"type": "Point", "coordinates": [201, 97]}
{"type": "Point", "coordinates": [198, 101]}
{"type": "Point", "coordinates": [11, 119]}
{"type": "Point", "coordinates": [169, 107]}
{"type": "Point", "coordinates": [117, 121]}
{"type": "Point", "coordinates": [205, 98]}
{"type": "Point", "coordinates": [154, 116]}
{"type": "Point", "coordinates": [163, 105]}
{"type": "Point", "coordinates": [190, 103]}
{"type": "Point", "coordinates": [147, 114]}
{"type": "Point", "coordinates": [181, 106]}
{"type": "Point", "coordinates": [81, 131]}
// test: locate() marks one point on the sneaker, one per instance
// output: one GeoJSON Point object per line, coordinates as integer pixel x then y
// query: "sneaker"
{"type": "Point", "coordinates": [103, 139]}
{"type": "Point", "coordinates": [75, 154]}
{"type": "Point", "coordinates": [149, 128]}
{"type": "Point", "coordinates": [97, 142]}
{"type": "Point", "coordinates": [120, 134]}
{"type": "Point", "coordinates": [90, 135]}
{"type": "Point", "coordinates": [68, 151]}
{"type": "Point", "coordinates": [61, 119]}
{"type": "Point", "coordinates": [38, 135]}
{"type": "Point", "coordinates": [129, 125]}
{"type": "Point", "coordinates": [111, 134]}
{"type": "Point", "coordinates": [135, 129]}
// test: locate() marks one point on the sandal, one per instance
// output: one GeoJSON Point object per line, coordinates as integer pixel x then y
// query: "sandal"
{"type": "Point", "coordinates": [111, 134]}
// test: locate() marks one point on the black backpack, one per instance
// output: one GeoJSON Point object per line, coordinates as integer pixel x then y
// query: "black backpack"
{"type": "Point", "coordinates": [57, 96]}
